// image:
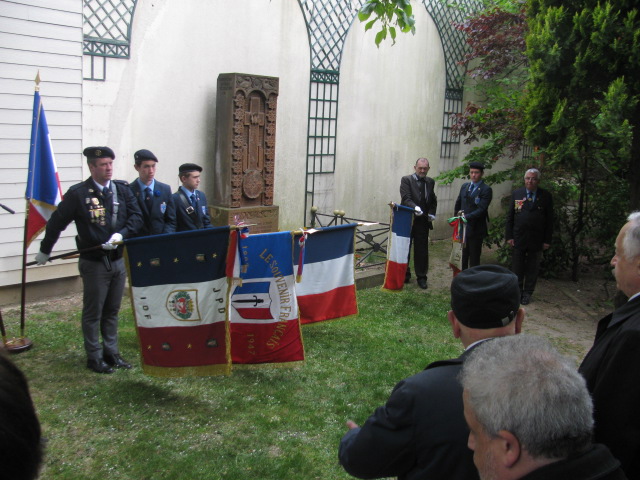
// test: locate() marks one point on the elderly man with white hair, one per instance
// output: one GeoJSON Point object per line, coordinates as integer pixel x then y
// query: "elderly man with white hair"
{"type": "Point", "coordinates": [530, 414]}
{"type": "Point", "coordinates": [528, 230]}
{"type": "Point", "coordinates": [612, 366]}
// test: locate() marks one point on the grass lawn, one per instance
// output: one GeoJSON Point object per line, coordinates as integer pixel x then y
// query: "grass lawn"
{"type": "Point", "coordinates": [259, 423]}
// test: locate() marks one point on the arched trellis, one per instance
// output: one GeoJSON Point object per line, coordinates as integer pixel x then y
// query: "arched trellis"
{"type": "Point", "coordinates": [328, 22]}
{"type": "Point", "coordinates": [107, 33]}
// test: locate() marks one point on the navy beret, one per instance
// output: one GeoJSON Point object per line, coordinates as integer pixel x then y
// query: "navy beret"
{"type": "Point", "coordinates": [142, 155]}
{"type": "Point", "coordinates": [189, 167]}
{"type": "Point", "coordinates": [485, 296]}
{"type": "Point", "coordinates": [98, 152]}
{"type": "Point", "coordinates": [477, 166]}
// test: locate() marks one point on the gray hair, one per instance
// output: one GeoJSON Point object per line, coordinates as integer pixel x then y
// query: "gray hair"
{"type": "Point", "coordinates": [521, 384]}
{"type": "Point", "coordinates": [631, 240]}
{"type": "Point", "coordinates": [533, 170]}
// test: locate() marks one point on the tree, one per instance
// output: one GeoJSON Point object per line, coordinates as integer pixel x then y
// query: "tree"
{"type": "Point", "coordinates": [582, 109]}
{"type": "Point", "coordinates": [389, 14]}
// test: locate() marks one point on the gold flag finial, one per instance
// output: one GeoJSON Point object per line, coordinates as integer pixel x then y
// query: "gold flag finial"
{"type": "Point", "coordinates": [38, 81]}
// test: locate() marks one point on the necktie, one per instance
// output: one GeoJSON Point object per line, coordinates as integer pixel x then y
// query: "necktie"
{"type": "Point", "coordinates": [106, 193]}
{"type": "Point", "coordinates": [147, 197]}
{"type": "Point", "coordinates": [472, 188]}
{"type": "Point", "coordinates": [423, 191]}
{"type": "Point", "coordinates": [194, 201]}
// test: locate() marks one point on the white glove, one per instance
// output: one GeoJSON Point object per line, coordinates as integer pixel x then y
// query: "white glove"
{"type": "Point", "coordinates": [418, 211]}
{"type": "Point", "coordinates": [41, 258]}
{"type": "Point", "coordinates": [111, 243]}
{"type": "Point", "coordinates": [432, 218]}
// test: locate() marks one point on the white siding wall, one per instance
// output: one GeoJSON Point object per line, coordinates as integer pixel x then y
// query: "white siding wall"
{"type": "Point", "coordinates": [44, 36]}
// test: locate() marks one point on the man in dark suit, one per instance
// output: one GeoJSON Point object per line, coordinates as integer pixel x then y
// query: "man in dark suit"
{"type": "Point", "coordinates": [154, 198]}
{"type": "Point", "coordinates": [192, 211]}
{"type": "Point", "coordinates": [473, 203]}
{"type": "Point", "coordinates": [417, 192]}
{"type": "Point", "coordinates": [528, 230]}
{"type": "Point", "coordinates": [105, 212]}
{"type": "Point", "coordinates": [421, 431]}
{"type": "Point", "coordinates": [611, 367]}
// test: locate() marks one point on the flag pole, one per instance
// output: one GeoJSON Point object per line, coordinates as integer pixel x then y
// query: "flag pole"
{"type": "Point", "coordinates": [22, 343]}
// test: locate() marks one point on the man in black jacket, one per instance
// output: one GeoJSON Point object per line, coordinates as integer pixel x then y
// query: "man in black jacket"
{"type": "Point", "coordinates": [473, 203]}
{"type": "Point", "coordinates": [105, 212]}
{"type": "Point", "coordinates": [611, 366]}
{"type": "Point", "coordinates": [192, 211]}
{"type": "Point", "coordinates": [154, 198]}
{"type": "Point", "coordinates": [420, 433]}
{"type": "Point", "coordinates": [417, 192]}
{"type": "Point", "coordinates": [528, 230]}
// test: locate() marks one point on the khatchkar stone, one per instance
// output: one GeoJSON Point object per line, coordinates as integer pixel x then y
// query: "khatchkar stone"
{"type": "Point", "coordinates": [245, 140]}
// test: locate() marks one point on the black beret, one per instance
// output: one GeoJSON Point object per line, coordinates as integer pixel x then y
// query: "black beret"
{"type": "Point", "coordinates": [485, 296]}
{"type": "Point", "coordinates": [98, 152]}
{"type": "Point", "coordinates": [142, 155]}
{"type": "Point", "coordinates": [189, 167]}
{"type": "Point", "coordinates": [477, 166]}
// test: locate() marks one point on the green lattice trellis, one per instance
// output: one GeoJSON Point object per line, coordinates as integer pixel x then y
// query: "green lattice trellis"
{"type": "Point", "coordinates": [328, 22]}
{"type": "Point", "coordinates": [107, 27]}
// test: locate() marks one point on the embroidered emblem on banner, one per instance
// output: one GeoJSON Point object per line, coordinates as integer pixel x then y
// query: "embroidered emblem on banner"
{"type": "Point", "coordinates": [182, 305]}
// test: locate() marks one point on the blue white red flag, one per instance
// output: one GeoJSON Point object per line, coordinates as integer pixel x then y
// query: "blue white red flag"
{"type": "Point", "coordinates": [179, 293]}
{"type": "Point", "coordinates": [399, 244]}
{"type": "Point", "coordinates": [327, 288]}
{"type": "Point", "coordinates": [43, 185]}
{"type": "Point", "coordinates": [264, 313]}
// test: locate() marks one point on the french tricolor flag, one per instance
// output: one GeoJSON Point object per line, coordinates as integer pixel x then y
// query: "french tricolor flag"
{"type": "Point", "coordinates": [327, 289]}
{"type": "Point", "coordinates": [43, 185]}
{"type": "Point", "coordinates": [399, 243]}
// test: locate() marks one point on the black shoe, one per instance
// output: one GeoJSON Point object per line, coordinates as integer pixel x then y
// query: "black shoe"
{"type": "Point", "coordinates": [117, 361]}
{"type": "Point", "coordinates": [99, 366]}
{"type": "Point", "coordinates": [422, 283]}
{"type": "Point", "coordinates": [526, 299]}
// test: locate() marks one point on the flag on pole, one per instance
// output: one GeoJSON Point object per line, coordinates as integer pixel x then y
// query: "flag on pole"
{"type": "Point", "coordinates": [43, 185]}
{"type": "Point", "coordinates": [398, 250]}
{"type": "Point", "coordinates": [264, 312]}
{"type": "Point", "coordinates": [327, 288]}
{"type": "Point", "coordinates": [179, 294]}
{"type": "Point", "coordinates": [458, 238]}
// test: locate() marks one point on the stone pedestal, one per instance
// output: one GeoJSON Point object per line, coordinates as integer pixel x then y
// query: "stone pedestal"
{"type": "Point", "coordinates": [263, 219]}
{"type": "Point", "coordinates": [244, 163]}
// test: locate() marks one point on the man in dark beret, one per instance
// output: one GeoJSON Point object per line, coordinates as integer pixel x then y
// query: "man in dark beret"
{"type": "Point", "coordinates": [421, 431]}
{"type": "Point", "coordinates": [105, 212]}
{"type": "Point", "coordinates": [192, 211]}
{"type": "Point", "coordinates": [473, 203]}
{"type": "Point", "coordinates": [154, 198]}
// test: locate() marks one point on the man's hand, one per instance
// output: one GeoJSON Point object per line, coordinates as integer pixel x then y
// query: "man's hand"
{"type": "Point", "coordinates": [511, 242]}
{"type": "Point", "coordinates": [418, 211]}
{"type": "Point", "coordinates": [42, 258]}
{"type": "Point", "coordinates": [545, 246]}
{"type": "Point", "coordinates": [432, 218]}
{"type": "Point", "coordinates": [111, 243]}
{"type": "Point", "coordinates": [351, 424]}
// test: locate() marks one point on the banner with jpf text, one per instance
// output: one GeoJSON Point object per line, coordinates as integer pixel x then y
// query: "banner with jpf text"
{"type": "Point", "coordinates": [179, 293]}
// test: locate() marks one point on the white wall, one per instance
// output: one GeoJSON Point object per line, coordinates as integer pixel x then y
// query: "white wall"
{"type": "Point", "coordinates": [37, 36]}
{"type": "Point", "coordinates": [390, 114]}
{"type": "Point", "coordinates": [164, 97]}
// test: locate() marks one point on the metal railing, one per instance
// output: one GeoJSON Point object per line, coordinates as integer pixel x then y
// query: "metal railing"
{"type": "Point", "coordinates": [371, 240]}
